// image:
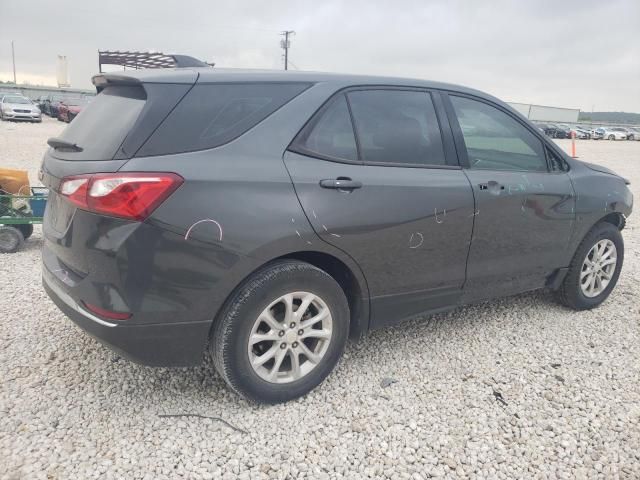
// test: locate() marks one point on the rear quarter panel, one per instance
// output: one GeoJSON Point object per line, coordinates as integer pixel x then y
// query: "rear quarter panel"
{"type": "Point", "coordinates": [237, 208]}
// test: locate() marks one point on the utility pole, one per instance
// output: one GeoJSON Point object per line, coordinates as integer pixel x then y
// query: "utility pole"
{"type": "Point", "coordinates": [13, 57]}
{"type": "Point", "coordinates": [285, 44]}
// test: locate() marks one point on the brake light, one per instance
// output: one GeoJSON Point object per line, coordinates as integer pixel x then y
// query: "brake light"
{"type": "Point", "coordinates": [127, 195]}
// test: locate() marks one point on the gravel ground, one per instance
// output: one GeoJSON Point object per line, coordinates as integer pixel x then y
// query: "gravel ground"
{"type": "Point", "coordinates": [515, 388]}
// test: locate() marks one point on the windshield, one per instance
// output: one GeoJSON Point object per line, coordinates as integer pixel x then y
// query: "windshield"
{"type": "Point", "coordinates": [20, 100]}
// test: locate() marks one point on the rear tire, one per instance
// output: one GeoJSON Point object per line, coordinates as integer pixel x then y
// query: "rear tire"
{"type": "Point", "coordinates": [612, 137]}
{"type": "Point", "coordinates": [237, 355]}
{"type": "Point", "coordinates": [583, 266]}
{"type": "Point", "coordinates": [11, 239]}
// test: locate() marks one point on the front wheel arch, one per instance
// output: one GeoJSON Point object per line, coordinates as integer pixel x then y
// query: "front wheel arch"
{"type": "Point", "coordinates": [617, 219]}
{"type": "Point", "coordinates": [569, 292]}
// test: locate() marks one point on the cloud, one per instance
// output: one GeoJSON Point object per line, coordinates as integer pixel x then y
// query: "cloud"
{"type": "Point", "coordinates": [571, 53]}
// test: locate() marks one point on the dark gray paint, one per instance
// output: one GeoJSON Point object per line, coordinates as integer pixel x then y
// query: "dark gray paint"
{"type": "Point", "coordinates": [264, 199]}
{"type": "Point", "coordinates": [521, 233]}
{"type": "Point", "coordinates": [397, 227]}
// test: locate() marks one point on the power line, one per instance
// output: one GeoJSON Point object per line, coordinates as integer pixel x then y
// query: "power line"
{"type": "Point", "coordinates": [285, 44]}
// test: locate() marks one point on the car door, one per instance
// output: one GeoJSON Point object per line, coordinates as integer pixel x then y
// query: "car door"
{"type": "Point", "coordinates": [525, 203]}
{"type": "Point", "coordinates": [373, 178]}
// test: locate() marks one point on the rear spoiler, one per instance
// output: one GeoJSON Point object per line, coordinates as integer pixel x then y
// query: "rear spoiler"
{"type": "Point", "coordinates": [105, 79]}
{"type": "Point", "coordinates": [181, 61]}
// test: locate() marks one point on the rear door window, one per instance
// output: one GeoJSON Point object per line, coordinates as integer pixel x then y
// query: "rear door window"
{"type": "Point", "coordinates": [396, 127]}
{"type": "Point", "coordinates": [103, 125]}
{"type": "Point", "coordinates": [211, 115]}
{"type": "Point", "coordinates": [330, 134]}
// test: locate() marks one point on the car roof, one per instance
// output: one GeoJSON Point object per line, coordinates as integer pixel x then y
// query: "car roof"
{"type": "Point", "coordinates": [224, 75]}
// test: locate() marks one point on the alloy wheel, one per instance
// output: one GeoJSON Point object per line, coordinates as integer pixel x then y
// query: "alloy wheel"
{"type": "Point", "coordinates": [290, 337]}
{"type": "Point", "coordinates": [598, 268]}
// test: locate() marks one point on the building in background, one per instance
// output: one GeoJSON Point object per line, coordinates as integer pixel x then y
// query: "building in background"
{"type": "Point", "coordinates": [62, 72]}
{"type": "Point", "coordinates": [547, 114]}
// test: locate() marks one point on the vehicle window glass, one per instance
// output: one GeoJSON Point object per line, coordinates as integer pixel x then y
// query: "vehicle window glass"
{"type": "Point", "coordinates": [104, 123]}
{"type": "Point", "coordinates": [211, 115]}
{"type": "Point", "coordinates": [331, 134]}
{"type": "Point", "coordinates": [556, 163]}
{"type": "Point", "coordinates": [396, 126]}
{"type": "Point", "coordinates": [495, 140]}
{"type": "Point", "coordinates": [16, 100]}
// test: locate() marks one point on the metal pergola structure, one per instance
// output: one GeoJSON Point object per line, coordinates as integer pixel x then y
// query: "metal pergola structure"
{"type": "Point", "coordinates": [138, 60]}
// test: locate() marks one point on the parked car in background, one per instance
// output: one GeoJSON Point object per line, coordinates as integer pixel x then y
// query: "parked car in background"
{"type": "Point", "coordinates": [52, 102]}
{"type": "Point", "coordinates": [554, 130]}
{"type": "Point", "coordinates": [17, 107]}
{"type": "Point", "coordinates": [635, 133]}
{"type": "Point", "coordinates": [613, 133]}
{"type": "Point", "coordinates": [265, 217]}
{"type": "Point", "coordinates": [40, 101]}
{"type": "Point", "coordinates": [580, 132]}
{"type": "Point", "coordinates": [564, 130]}
{"type": "Point", "coordinates": [624, 130]}
{"type": "Point", "coordinates": [69, 108]}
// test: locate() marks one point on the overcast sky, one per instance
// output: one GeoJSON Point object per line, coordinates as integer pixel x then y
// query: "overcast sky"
{"type": "Point", "coordinates": [570, 53]}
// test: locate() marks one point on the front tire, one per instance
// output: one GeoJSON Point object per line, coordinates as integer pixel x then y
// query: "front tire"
{"type": "Point", "coordinates": [594, 269]}
{"type": "Point", "coordinates": [612, 137]}
{"type": "Point", "coordinates": [281, 332]}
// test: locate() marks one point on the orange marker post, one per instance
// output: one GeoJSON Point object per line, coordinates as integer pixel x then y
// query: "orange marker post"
{"type": "Point", "coordinates": [573, 144]}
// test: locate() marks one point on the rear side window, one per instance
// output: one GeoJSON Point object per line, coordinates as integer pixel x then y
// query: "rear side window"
{"type": "Point", "coordinates": [211, 115]}
{"type": "Point", "coordinates": [330, 134]}
{"type": "Point", "coordinates": [397, 127]}
{"type": "Point", "coordinates": [103, 124]}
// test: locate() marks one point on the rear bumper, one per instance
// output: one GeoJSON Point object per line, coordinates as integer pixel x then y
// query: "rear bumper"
{"type": "Point", "coordinates": [173, 344]}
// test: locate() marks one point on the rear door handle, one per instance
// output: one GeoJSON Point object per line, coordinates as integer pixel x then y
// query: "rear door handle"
{"type": "Point", "coordinates": [340, 184]}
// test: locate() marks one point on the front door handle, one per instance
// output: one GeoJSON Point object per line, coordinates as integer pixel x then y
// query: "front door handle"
{"type": "Point", "coordinates": [340, 184]}
{"type": "Point", "coordinates": [492, 185]}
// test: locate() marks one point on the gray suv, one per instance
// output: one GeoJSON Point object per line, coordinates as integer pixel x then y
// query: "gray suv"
{"type": "Point", "coordinates": [266, 217]}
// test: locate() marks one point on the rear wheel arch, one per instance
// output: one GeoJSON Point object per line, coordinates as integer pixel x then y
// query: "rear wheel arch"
{"type": "Point", "coordinates": [354, 287]}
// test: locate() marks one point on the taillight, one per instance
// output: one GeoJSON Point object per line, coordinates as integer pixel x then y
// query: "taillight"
{"type": "Point", "coordinates": [127, 195]}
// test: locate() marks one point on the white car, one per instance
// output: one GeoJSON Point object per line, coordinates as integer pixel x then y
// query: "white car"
{"type": "Point", "coordinates": [17, 107]}
{"type": "Point", "coordinates": [613, 133]}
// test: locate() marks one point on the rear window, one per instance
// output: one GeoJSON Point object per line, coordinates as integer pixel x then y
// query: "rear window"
{"type": "Point", "coordinates": [213, 114]}
{"type": "Point", "coordinates": [102, 126]}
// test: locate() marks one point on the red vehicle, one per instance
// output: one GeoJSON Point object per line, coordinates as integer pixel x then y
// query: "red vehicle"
{"type": "Point", "coordinates": [69, 108]}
